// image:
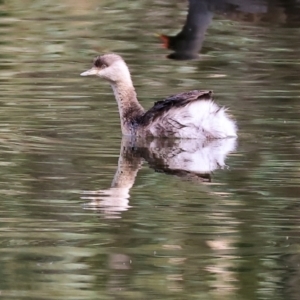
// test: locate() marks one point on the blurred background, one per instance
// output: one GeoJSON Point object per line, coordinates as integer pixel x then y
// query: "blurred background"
{"type": "Point", "coordinates": [69, 229]}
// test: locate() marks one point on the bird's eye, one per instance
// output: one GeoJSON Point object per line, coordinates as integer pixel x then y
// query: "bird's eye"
{"type": "Point", "coordinates": [99, 63]}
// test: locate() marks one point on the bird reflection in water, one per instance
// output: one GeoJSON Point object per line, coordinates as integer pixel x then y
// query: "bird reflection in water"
{"type": "Point", "coordinates": [188, 42]}
{"type": "Point", "coordinates": [188, 159]}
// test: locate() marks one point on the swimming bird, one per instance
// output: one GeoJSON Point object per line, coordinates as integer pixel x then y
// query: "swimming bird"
{"type": "Point", "coordinates": [191, 114]}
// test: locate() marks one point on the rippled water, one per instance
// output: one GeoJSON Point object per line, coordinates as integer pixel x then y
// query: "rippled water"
{"type": "Point", "coordinates": [211, 221]}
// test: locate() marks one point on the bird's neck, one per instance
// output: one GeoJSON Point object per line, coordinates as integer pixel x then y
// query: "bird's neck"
{"type": "Point", "coordinates": [129, 107]}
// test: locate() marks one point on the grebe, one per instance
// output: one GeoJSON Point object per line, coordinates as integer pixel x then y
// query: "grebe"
{"type": "Point", "coordinates": [190, 114]}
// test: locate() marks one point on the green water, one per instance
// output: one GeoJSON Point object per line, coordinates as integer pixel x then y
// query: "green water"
{"type": "Point", "coordinates": [68, 232]}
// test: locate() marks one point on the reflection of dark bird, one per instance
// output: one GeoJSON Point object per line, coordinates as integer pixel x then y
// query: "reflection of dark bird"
{"type": "Point", "coordinates": [188, 42]}
{"type": "Point", "coordinates": [188, 159]}
{"type": "Point", "coordinates": [186, 115]}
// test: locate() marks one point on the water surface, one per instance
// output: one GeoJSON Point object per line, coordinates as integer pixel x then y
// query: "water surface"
{"type": "Point", "coordinates": [69, 230]}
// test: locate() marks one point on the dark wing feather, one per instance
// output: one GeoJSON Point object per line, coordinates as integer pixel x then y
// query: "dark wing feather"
{"type": "Point", "coordinates": [174, 101]}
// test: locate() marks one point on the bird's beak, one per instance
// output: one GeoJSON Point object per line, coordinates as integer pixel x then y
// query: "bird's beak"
{"type": "Point", "coordinates": [92, 71]}
{"type": "Point", "coordinates": [165, 40]}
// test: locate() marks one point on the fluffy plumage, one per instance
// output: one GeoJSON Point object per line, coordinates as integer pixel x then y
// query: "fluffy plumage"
{"type": "Point", "coordinates": [191, 114]}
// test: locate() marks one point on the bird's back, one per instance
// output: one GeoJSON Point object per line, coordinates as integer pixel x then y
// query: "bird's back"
{"type": "Point", "coordinates": [191, 114]}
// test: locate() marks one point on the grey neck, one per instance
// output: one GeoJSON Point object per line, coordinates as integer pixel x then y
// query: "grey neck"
{"type": "Point", "coordinates": [129, 107]}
